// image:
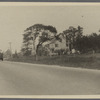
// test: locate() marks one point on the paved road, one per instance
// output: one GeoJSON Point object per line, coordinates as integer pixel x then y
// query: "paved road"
{"type": "Point", "coordinates": [29, 79]}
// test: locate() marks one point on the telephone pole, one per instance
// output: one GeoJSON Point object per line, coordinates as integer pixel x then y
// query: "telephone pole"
{"type": "Point", "coordinates": [10, 49]}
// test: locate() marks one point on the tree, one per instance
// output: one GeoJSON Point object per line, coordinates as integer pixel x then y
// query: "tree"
{"type": "Point", "coordinates": [38, 34]}
{"type": "Point", "coordinates": [72, 34]}
{"type": "Point", "coordinates": [42, 33]}
{"type": "Point", "coordinates": [27, 43]}
{"type": "Point", "coordinates": [88, 43]}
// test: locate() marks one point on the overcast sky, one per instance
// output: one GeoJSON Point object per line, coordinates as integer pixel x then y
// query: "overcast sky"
{"type": "Point", "coordinates": [15, 19]}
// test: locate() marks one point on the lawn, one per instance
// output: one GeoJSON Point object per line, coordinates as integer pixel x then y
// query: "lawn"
{"type": "Point", "coordinates": [89, 61]}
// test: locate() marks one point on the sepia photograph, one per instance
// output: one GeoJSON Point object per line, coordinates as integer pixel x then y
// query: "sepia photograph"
{"type": "Point", "coordinates": [49, 49]}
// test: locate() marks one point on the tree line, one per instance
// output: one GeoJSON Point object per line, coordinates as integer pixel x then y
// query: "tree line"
{"type": "Point", "coordinates": [75, 39]}
{"type": "Point", "coordinates": [88, 43]}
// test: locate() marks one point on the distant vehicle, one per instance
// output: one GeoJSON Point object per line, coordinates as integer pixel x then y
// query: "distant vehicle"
{"type": "Point", "coordinates": [1, 56]}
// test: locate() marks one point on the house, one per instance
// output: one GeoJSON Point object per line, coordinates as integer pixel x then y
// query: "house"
{"type": "Point", "coordinates": [59, 46]}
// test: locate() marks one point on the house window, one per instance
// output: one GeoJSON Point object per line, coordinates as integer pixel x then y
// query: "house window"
{"type": "Point", "coordinates": [60, 40]}
{"type": "Point", "coordinates": [56, 45]}
{"type": "Point", "coordinates": [52, 49]}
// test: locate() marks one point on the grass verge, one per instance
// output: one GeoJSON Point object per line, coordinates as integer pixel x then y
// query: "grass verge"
{"type": "Point", "coordinates": [83, 61]}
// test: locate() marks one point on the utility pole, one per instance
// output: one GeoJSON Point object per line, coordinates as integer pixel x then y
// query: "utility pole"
{"type": "Point", "coordinates": [10, 49]}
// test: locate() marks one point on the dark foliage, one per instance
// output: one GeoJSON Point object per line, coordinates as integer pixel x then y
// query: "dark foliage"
{"type": "Point", "coordinates": [88, 43]}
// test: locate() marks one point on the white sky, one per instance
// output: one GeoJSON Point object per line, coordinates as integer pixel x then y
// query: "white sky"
{"type": "Point", "coordinates": [15, 19]}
